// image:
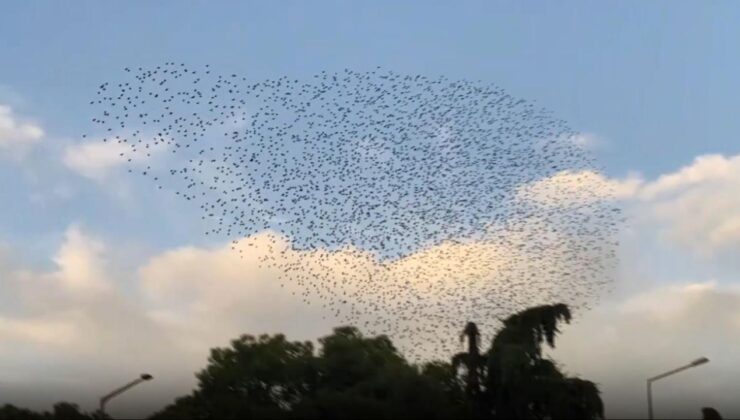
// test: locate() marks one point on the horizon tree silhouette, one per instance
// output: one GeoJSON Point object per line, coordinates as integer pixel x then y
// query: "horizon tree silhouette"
{"type": "Point", "coordinates": [522, 384]}
{"type": "Point", "coordinates": [349, 375]}
{"type": "Point", "coordinates": [709, 413]}
{"type": "Point", "coordinates": [353, 376]}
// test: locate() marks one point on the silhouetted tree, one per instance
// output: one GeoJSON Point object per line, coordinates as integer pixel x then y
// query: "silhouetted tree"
{"type": "Point", "coordinates": [62, 411]}
{"type": "Point", "coordinates": [261, 377]}
{"type": "Point", "coordinates": [351, 377]}
{"type": "Point", "coordinates": [521, 384]}
{"type": "Point", "coordinates": [11, 412]}
{"type": "Point", "coordinates": [471, 360]}
{"type": "Point", "coordinates": [359, 377]}
{"type": "Point", "coordinates": [70, 411]}
{"type": "Point", "coordinates": [709, 413]}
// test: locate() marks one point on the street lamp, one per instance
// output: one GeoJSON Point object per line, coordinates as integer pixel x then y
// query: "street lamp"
{"type": "Point", "coordinates": [697, 362]}
{"type": "Point", "coordinates": [103, 400]}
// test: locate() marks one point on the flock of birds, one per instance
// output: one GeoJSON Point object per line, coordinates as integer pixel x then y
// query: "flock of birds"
{"type": "Point", "coordinates": [399, 203]}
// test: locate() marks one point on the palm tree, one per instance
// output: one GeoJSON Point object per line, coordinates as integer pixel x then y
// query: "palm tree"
{"type": "Point", "coordinates": [512, 380]}
{"type": "Point", "coordinates": [471, 360]}
{"type": "Point", "coordinates": [522, 384]}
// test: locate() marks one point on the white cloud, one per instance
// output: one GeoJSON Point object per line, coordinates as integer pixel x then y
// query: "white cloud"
{"type": "Point", "coordinates": [94, 159]}
{"type": "Point", "coordinates": [587, 140]}
{"type": "Point", "coordinates": [81, 267]}
{"type": "Point", "coordinates": [16, 136]}
{"type": "Point", "coordinates": [697, 206]}
{"type": "Point", "coordinates": [217, 292]}
{"type": "Point", "coordinates": [76, 329]}
{"type": "Point", "coordinates": [568, 188]}
{"type": "Point", "coordinates": [84, 320]}
{"type": "Point", "coordinates": [705, 169]}
{"type": "Point", "coordinates": [42, 331]}
{"type": "Point", "coordinates": [83, 317]}
{"type": "Point", "coordinates": [105, 163]}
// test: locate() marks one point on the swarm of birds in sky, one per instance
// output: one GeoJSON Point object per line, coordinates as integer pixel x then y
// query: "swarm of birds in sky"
{"type": "Point", "coordinates": [402, 203]}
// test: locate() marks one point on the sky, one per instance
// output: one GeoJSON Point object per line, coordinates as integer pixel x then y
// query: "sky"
{"type": "Point", "coordinates": [102, 277]}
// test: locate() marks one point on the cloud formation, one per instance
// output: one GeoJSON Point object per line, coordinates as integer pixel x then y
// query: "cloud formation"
{"type": "Point", "coordinates": [696, 206]}
{"type": "Point", "coordinates": [86, 318]}
{"type": "Point", "coordinates": [699, 205]}
{"type": "Point", "coordinates": [95, 325]}
{"type": "Point", "coordinates": [94, 159]}
{"type": "Point", "coordinates": [17, 136]}
{"type": "Point", "coordinates": [98, 160]}
{"type": "Point", "coordinates": [91, 323]}
{"type": "Point", "coordinates": [217, 292]}
{"type": "Point", "coordinates": [569, 188]}
{"type": "Point", "coordinates": [75, 329]}
{"type": "Point", "coordinates": [588, 140]}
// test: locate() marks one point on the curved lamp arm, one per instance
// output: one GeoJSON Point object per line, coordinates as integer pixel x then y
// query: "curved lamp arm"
{"type": "Point", "coordinates": [697, 362]}
{"type": "Point", "coordinates": [142, 378]}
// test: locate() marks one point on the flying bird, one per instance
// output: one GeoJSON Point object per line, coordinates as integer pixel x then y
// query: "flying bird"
{"type": "Point", "coordinates": [403, 203]}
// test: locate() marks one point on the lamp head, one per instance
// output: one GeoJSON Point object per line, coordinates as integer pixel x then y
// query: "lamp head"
{"type": "Point", "coordinates": [699, 361]}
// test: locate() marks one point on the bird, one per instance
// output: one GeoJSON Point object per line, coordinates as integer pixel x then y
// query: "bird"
{"type": "Point", "coordinates": [401, 202]}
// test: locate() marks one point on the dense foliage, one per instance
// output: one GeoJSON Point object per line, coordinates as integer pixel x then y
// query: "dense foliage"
{"type": "Point", "coordinates": [356, 377]}
{"type": "Point", "coordinates": [61, 411]}
{"type": "Point", "coordinates": [352, 376]}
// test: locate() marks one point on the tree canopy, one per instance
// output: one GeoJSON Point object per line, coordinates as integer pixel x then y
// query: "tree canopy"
{"type": "Point", "coordinates": [353, 376]}
{"type": "Point", "coordinates": [61, 411]}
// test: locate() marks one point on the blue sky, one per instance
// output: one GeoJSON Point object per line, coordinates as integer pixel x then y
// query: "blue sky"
{"type": "Point", "coordinates": [655, 83]}
{"type": "Point", "coordinates": [666, 68]}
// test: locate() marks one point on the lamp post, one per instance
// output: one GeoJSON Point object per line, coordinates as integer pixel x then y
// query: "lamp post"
{"type": "Point", "coordinates": [103, 400]}
{"type": "Point", "coordinates": [697, 362]}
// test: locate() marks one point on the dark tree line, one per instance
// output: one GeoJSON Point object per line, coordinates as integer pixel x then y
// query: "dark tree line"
{"type": "Point", "coordinates": [356, 377]}
{"type": "Point", "coordinates": [61, 411]}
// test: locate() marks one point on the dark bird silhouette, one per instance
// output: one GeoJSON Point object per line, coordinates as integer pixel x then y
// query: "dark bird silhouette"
{"type": "Point", "coordinates": [400, 202]}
